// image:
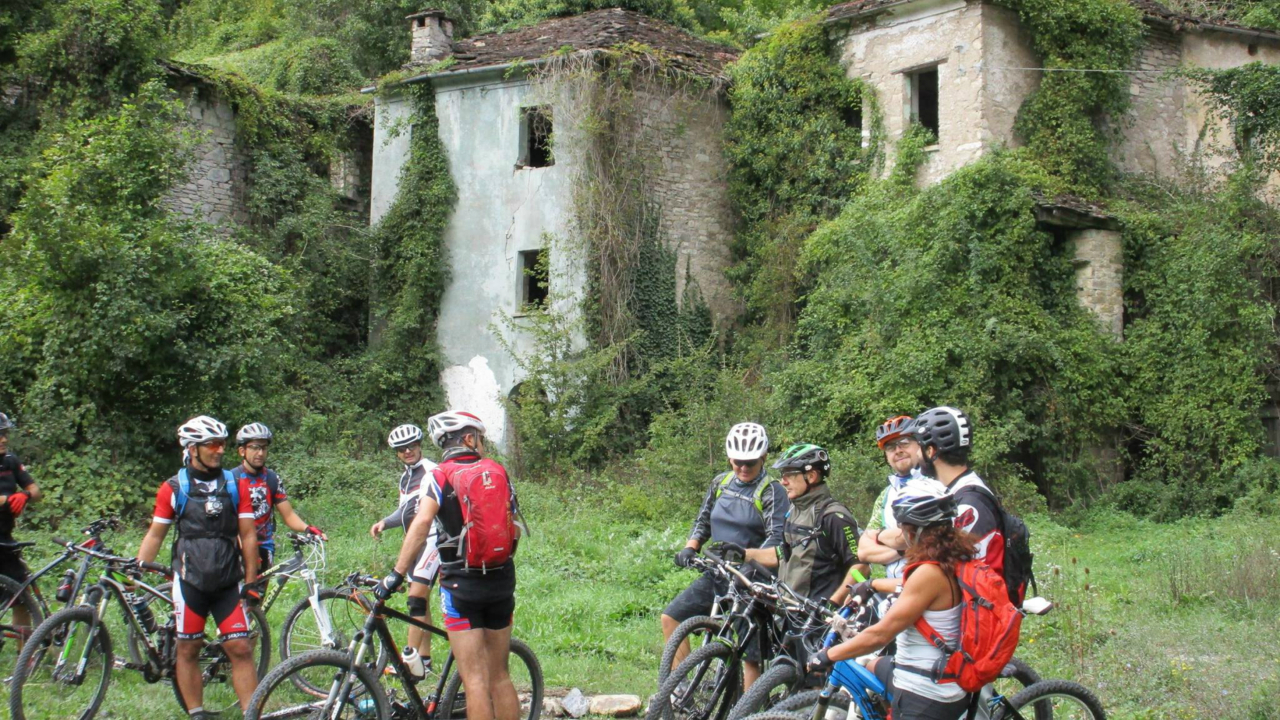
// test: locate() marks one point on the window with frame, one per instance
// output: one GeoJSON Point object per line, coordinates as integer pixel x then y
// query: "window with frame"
{"type": "Point", "coordinates": [535, 281]}
{"type": "Point", "coordinates": [536, 137]}
{"type": "Point", "coordinates": [923, 87]}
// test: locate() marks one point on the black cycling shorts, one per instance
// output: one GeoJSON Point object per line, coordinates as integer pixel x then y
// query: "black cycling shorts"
{"type": "Point", "coordinates": [910, 706]}
{"type": "Point", "coordinates": [193, 605]}
{"type": "Point", "coordinates": [698, 598]}
{"type": "Point", "coordinates": [462, 615]}
{"type": "Point", "coordinates": [11, 564]}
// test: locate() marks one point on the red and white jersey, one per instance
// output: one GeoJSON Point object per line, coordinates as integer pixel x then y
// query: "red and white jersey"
{"type": "Point", "coordinates": [977, 512]}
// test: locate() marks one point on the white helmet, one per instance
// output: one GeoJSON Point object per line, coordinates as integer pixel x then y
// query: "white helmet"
{"type": "Point", "coordinates": [253, 431]}
{"type": "Point", "coordinates": [201, 429]}
{"type": "Point", "coordinates": [404, 435]}
{"type": "Point", "coordinates": [746, 441]}
{"type": "Point", "coordinates": [450, 422]}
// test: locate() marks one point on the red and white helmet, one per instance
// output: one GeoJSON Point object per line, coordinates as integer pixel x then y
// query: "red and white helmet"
{"type": "Point", "coordinates": [450, 422]}
{"type": "Point", "coordinates": [746, 441]}
{"type": "Point", "coordinates": [201, 429]}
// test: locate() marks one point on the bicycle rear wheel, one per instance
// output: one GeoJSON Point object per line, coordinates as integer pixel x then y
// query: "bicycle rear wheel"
{"type": "Point", "coordinates": [703, 687]}
{"type": "Point", "coordinates": [526, 675]}
{"type": "Point", "coordinates": [351, 693]}
{"type": "Point", "coordinates": [48, 681]}
{"type": "Point", "coordinates": [1065, 700]}
{"type": "Point", "coordinates": [697, 630]}
{"type": "Point", "coordinates": [347, 614]}
{"type": "Point", "coordinates": [20, 615]}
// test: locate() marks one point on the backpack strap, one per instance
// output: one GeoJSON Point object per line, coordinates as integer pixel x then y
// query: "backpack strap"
{"type": "Point", "coordinates": [757, 497]}
{"type": "Point", "coordinates": [184, 490]}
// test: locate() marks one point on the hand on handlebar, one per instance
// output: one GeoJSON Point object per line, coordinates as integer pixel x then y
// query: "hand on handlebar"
{"type": "Point", "coordinates": [389, 585]}
{"type": "Point", "coordinates": [820, 662]}
{"type": "Point", "coordinates": [317, 532]}
{"type": "Point", "coordinates": [730, 552]}
{"type": "Point", "coordinates": [685, 557]}
{"type": "Point", "coordinates": [860, 593]}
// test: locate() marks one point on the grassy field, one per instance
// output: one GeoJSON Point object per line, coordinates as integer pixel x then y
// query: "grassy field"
{"type": "Point", "coordinates": [1164, 621]}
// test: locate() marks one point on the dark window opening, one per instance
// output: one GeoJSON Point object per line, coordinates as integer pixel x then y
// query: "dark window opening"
{"type": "Point", "coordinates": [924, 98]}
{"type": "Point", "coordinates": [535, 280]}
{"type": "Point", "coordinates": [852, 116]}
{"type": "Point", "coordinates": [535, 133]}
{"type": "Point", "coordinates": [1253, 49]}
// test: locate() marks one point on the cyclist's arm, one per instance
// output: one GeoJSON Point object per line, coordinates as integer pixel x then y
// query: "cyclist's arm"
{"type": "Point", "coordinates": [767, 557]}
{"type": "Point", "coordinates": [248, 533]}
{"type": "Point", "coordinates": [871, 551]}
{"type": "Point", "coordinates": [417, 534]}
{"type": "Point", "coordinates": [702, 523]}
{"type": "Point", "coordinates": [161, 519]}
{"type": "Point", "coordinates": [290, 516]}
{"type": "Point", "coordinates": [840, 536]}
{"type": "Point", "coordinates": [925, 586]}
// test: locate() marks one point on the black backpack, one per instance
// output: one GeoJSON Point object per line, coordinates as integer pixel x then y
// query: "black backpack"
{"type": "Point", "coordinates": [1019, 573]}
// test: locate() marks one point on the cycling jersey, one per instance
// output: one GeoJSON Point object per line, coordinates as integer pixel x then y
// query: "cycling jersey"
{"type": "Point", "coordinates": [266, 491]}
{"type": "Point", "coordinates": [730, 514]}
{"type": "Point", "coordinates": [206, 551]}
{"type": "Point", "coordinates": [821, 544]}
{"type": "Point", "coordinates": [976, 512]}
{"type": "Point", "coordinates": [882, 511]}
{"type": "Point", "coordinates": [480, 585]}
{"type": "Point", "coordinates": [410, 494]}
{"type": "Point", "coordinates": [13, 477]}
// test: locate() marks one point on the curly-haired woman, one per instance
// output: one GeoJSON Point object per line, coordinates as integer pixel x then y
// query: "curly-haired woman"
{"type": "Point", "coordinates": [929, 590]}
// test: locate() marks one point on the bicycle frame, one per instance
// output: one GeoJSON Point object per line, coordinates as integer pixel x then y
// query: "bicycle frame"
{"type": "Point", "coordinates": [94, 541]}
{"type": "Point", "coordinates": [113, 584]}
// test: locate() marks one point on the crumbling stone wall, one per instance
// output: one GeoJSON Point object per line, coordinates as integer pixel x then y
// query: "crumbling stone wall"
{"type": "Point", "coordinates": [1099, 261]}
{"type": "Point", "coordinates": [218, 177]}
{"type": "Point", "coordinates": [1153, 132]}
{"type": "Point", "coordinates": [692, 188]}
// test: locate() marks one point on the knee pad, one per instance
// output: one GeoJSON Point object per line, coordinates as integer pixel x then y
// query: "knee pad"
{"type": "Point", "coordinates": [417, 606]}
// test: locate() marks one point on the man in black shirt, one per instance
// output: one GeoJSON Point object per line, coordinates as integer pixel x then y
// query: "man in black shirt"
{"type": "Point", "coordinates": [821, 537]}
{"type": "Point", "coordinates": [16, 490]}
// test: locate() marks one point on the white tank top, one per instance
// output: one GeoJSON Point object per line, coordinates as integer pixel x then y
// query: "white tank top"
{"type": "Point", "coordinates": [915, 651]}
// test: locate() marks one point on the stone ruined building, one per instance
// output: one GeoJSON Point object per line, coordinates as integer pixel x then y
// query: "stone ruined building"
{"type": "Point", "coordinates": [964, 68]}
{"type": "Point", "coordinates": [497, 123]}
{"type": "Point", "coordinates": [217, 185]}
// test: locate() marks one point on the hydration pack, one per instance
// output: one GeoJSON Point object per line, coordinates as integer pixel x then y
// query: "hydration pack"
{"type": "Point", "coordinates": [184, 491]}
{"type": "Point", "coordinates": [989, 626]}
{"type": "Point", "coordinates": [489, 529]}
{"type": "Point", "coordinates": [1018, 558]}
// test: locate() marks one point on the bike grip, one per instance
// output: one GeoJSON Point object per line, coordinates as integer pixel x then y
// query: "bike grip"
{"type": "Point", "coordinates": [157, 568]}
{"type": "Point", "coordinates": [857, 575]}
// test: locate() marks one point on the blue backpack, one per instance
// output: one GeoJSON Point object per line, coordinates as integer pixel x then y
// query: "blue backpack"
{"type": "Point", "coordinates": [184, 490]}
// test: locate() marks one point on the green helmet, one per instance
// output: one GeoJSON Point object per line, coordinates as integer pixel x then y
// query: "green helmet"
{"type": "Point", "coordinates": [805, 457]}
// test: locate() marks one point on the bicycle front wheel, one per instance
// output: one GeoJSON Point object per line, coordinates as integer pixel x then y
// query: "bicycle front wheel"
{"type": "Point", "coordinates": [351, 692]}
{"type": "Point", "coordinates": [697, 631]}
{"type": "Point", "coordinates": [526, 676]}
{"type": "Point", "coordinates": [20, 615]}
{"type": "Point", "coordinates": [1066, 700]}
{"type": "Point", "coordinates": [347, 613]}
{"type": "Point", "coordinates": [703, 687]}
{"type": "Point", "coordinates": [64, 669]}
{"type": "Point", "coordinates": [775, 685]}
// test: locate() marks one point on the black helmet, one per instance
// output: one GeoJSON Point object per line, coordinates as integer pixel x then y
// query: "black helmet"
{"type": "Point", "coordinates": [945, 428]}
{"type": "Point", "coordinates": [924, 510]}
{"type": "Point", "coordinates": [5, 423]}
{"type": "Point", "coordinates": [805, 457]}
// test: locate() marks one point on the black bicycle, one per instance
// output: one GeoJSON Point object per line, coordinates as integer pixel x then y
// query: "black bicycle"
{"type": "Point", "coordinates": [65, 668]}
{"type": "Point", "coordinates": [353, 689]}
{"type": "Point", "coordinates": [23, 606]}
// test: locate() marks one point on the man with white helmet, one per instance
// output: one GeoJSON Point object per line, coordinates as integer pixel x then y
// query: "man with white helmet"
{"type": "Point", "coordinates": [406, 441]}
{"type": "Point", "coordinates": [216, 548]}
{"type": "Point", "coordinates": [471, 502]}
{"type": "Point", "coordinates": [266, 491]}
{"type": "Point", "coordinates": [743, 507]}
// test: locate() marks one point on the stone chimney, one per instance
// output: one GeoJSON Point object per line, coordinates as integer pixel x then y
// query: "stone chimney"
{"type": "Point", "coordinates": [432, 38]}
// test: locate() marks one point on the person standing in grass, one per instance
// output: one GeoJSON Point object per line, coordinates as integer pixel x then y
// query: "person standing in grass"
{"type": "Point", "coordinates": [266, 491]}
{"type": "Point", "coordinates": [216, 548]}
{"type": "Point", "coordinates": [820, 542]}
{"type": "Point", "coordinates": [16, 490]}
{"type": "Point", "coordinates": [471, 500]}
{"type": "Point", "coordinates": [744, 507]}
{"type": "Point", "coordinates": [406, 441]}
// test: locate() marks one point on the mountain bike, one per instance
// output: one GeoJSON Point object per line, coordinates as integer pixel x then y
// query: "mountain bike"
{"type": "Point", "coordinates": [354, 690]}
{"type": "Point", "coordinates": [852, 685]}
{"type": "Point", "coordinates": [788, 676]}
{"type": "Point", "coordinates": [65, 668]}
{"type": "Point", "coordinates": [27, 596]}
{"type": "Point", "coordinates": [708, 683]}
{"type": "Point", "coordinates": [697, 630]}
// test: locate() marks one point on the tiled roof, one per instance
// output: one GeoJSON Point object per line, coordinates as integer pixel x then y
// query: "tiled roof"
{"type": "Point", "coordinates": [595, 30]}
{"type": "Point", "coordinates": [1150, 8]}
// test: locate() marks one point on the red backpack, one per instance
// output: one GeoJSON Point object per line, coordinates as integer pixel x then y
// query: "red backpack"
{"type": "Point", "coordinates": [989, 625]}
{"type": "Point", "coordinates": [488, 536]}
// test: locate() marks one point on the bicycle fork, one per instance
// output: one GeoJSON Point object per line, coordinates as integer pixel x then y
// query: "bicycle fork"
{"type": "Point", "coordinates": [64, 657]}
{"type": "Point", "coordinates": [321, 614]}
